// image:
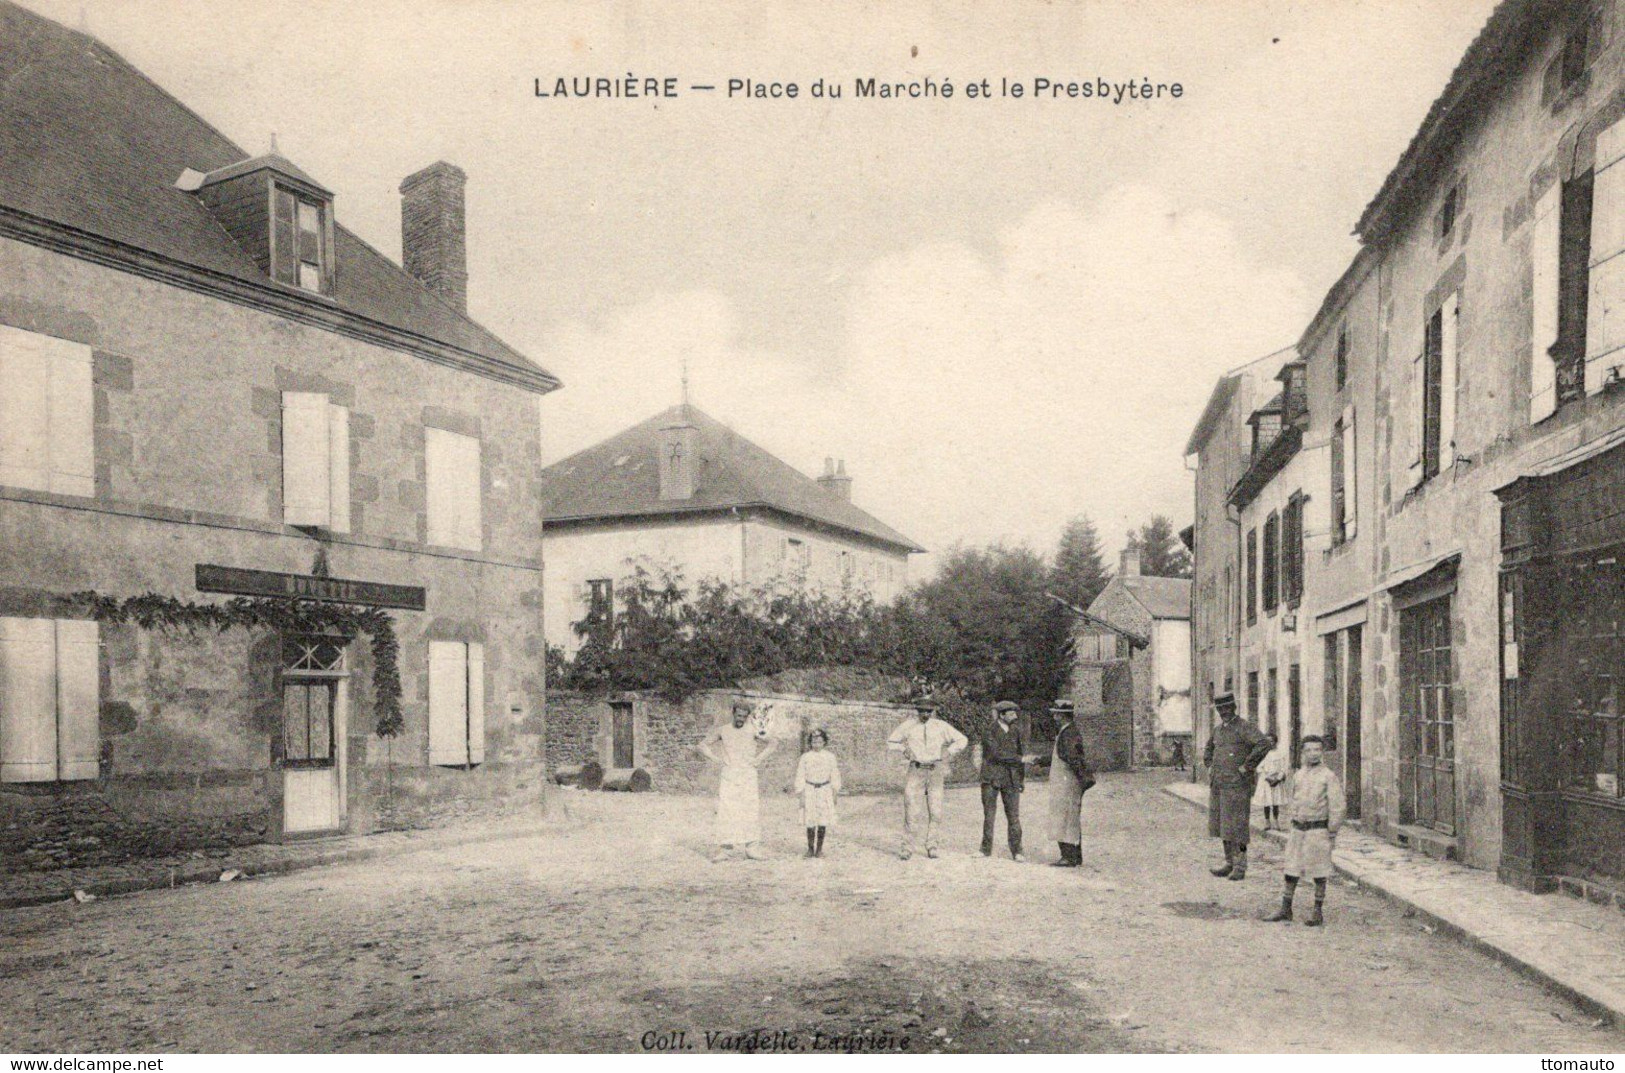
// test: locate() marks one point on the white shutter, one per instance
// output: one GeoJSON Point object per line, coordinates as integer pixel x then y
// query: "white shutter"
{"type": "Point", "coordinates": [306, 480]}
{"type": "Point", "coordinates": [1448, 325]}
{"type": "Point", "coordinates": [454, 499]}
{"type": "Point", "coordinates": [338, 469]}
{"type": "Point", "coordinates": [25, 439]}
{"type": "Point", "coordinates": [78, 699]}
{"type": "Point", "coordinates": [1544, 252]}
{"type": "Point", "coordinates": [27, 700]}
{"type": "Point", "coordinates": [1605, 316]}
{"type": "Point", "coordinates": [1351, 500]}
{"type": "Point", "coordinates": [72, 416]}
{"type": "Point", "coordinates": [448, 703]}
{"type": "Point", "coordinates": [476, 703]}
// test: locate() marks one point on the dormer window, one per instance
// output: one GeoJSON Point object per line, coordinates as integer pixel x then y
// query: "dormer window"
{"type": "Point", "coordinates": [280, 216]}
{"type": "Point", "coordinates": [299, 241]}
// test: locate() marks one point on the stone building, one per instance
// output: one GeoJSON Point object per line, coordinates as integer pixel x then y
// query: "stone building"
{"type": "Point", "coordinates": [682, 492]}
{"type": "Point", "coordinates": [1130, 674]}
{"type": "Point", "coordinates": [212, 388]}
{"type": "Point", "coordinates": [1466, 409]}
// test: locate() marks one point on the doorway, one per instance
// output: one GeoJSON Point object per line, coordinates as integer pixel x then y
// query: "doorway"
{"type": "Point", "coordinates": [315, 702]}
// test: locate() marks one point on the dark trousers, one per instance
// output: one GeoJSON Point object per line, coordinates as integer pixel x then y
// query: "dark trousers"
{"type": "Point", "coordinates": [990, 813]}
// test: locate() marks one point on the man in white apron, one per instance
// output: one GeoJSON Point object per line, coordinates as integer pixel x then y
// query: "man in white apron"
{"type": "Point", "coordinates": [739, 797]}
{"type": "Point", "coordinates": [1069, 777]}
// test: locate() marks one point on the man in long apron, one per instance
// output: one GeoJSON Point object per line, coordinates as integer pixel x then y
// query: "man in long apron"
{"type": "Point", "coordinates": [1234, 751]}
{"type": "Point", "coordinates": [1069, 777]}
{"type": "Point", "coordinates": [739, 797]}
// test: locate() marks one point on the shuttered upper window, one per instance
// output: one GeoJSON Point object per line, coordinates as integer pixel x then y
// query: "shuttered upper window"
{"type": "Point", "coordinates": [456, 703]}
{"type": "Point", "coordinates": [315, 461]}
{"type": "Point", "coordinates": [453, 472]}
{"type": "Point", "coordinates": [50, 704]}
{"type": "Point", "coordinates": [300, 241]}
{"type": "Point", "coordinates": [47, 414]}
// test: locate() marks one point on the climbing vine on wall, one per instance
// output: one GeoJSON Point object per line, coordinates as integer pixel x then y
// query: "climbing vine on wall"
{"type": "Point", "coordinates": [156, 612]}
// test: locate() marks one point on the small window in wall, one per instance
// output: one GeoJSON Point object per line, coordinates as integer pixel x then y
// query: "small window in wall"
{"type": "Point", "coordinates": [456, 703]}
{"type": "Point", "coordinates": [50, 700]}
{"type": "Point", "coordinates": [47, 414]}
{"type": "Point", "coordinates": [1449, 211]}
{"type": "Point", "coordinates": [454, 493]}
{"type": "Point", "coordinates": [601, 609]}
{"type": "Point", "coordinates": [315, 461]}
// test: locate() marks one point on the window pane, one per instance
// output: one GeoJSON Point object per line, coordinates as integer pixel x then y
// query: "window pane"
{"type": "Point", "coordinates": [296, 722]}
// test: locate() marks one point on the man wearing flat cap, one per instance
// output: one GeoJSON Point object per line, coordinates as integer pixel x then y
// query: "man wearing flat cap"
{"type": "Point", "coordinates": [929, 744]}
{"type": "Point", "coordinates": [1069, 777]}
{"type": "Point", "coordinates": [1234, 751]}
{"type": "Point", "coordinates": [1006, 749]}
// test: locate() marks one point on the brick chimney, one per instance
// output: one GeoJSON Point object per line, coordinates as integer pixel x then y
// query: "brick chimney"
{"type": "Point", "coordinates": [434, 243]}
{"type": "Point", "coordinates": [1129, 565]}
{"type": "Point", "coordinates": [835, 481]}
{"type": "Point", "coordinates": [677, 462]}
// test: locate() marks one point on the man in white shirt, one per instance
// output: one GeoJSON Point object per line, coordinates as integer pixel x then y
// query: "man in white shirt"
{"type": "Point", "coordinates": [929, 744]}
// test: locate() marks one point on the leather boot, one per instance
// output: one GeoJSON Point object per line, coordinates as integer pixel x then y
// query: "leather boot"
{"type": "Point", "coordinates": [1284, 913]}
{"type": "Point", "coordinates": [1070, 856]}
{"type": "Point", "coordinates": [1240, 869]}
{"type": "Point", "coordinates": [1229, 863]}
{"type": "Point", "coordinates": [1314, 919]}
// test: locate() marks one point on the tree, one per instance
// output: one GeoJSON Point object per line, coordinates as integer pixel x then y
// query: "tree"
{"type": "Point", "coordinates": [1079, 573]}
{"type": "Point", "coordinates": [1161, 552]}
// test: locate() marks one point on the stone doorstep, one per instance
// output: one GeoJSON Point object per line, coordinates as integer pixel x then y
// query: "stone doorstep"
{"type": "Point", "coordinates": [265, 859]}
{"type": "Point", "coordinates": [1530, 955]}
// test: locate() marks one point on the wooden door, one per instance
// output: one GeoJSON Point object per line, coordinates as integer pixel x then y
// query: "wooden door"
{"type": "Point", "coordinates": [312, 755]}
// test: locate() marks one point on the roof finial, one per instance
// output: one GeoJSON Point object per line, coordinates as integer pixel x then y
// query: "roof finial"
{"type": "Point", "coordinates": [685, 381]}
{"type": "Point", "coordinates": [273, 142]}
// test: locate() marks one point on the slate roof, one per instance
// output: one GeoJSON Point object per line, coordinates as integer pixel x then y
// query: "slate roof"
{"type": "Point", "coordinates": [91, 147]}
{"type": "Point", "coordinates": [1163, 597]}
{"type": "Point", "coordinates": [619, 478]}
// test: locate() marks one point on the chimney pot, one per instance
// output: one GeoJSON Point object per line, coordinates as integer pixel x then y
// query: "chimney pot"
{"type": "Point", "coordinates": [434, 241]}
{"type": "Point", "coordinates": [1130, 563]}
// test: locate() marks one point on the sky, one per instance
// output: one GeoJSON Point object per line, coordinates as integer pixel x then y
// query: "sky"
{"type": "Point", "coordinates": [1000, 313]}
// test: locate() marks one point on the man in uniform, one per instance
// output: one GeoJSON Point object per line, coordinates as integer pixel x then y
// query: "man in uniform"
{"type": "Point", "coordinates": [930, 744]}
{"type": "Point", "coordinates": [1069, 777]}
{"type": "Point", "coordinates": [1234, 751]}
{"type": "Point", "coordinates": [1005, 746]}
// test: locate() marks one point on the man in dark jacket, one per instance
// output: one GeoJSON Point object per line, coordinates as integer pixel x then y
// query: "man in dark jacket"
{"type": "Point", "coordinates": [1006, 744]}
{"type": "Point", "coordinates": [1069, 777]}
{"type": "Point", "coordinates": [1233, 753]}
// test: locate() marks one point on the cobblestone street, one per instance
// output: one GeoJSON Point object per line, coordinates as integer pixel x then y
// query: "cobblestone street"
{"type": "Point", "coordinates": [594, 935]}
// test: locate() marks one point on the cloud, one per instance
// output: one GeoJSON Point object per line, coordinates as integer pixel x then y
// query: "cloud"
{"type": "Point", "coordinates": [978, 395]}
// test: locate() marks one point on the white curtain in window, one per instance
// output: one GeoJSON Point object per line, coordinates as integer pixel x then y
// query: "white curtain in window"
{"type": "Point", "coordinates": [47, 413]}
{"type": "Point", "coordinates": [1605, 311]}
{"type": "Point", "coordinates": [1544, 252]}
{"type": "Point", "coordinates": [454, 499]}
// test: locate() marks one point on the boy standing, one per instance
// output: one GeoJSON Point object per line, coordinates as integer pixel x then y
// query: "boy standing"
{"type": "Point", "coordinates": [1317, 810]}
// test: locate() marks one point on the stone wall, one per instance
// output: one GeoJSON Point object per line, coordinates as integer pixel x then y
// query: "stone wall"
{"type": "Point", "coordinates": [666, 736]}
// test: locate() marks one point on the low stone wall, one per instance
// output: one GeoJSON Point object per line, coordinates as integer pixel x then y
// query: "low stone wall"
{"type": "Point", "coordinates": [666, 736]}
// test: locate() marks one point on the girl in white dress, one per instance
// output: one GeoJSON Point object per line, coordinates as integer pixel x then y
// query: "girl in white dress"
{"type": "Point", "coordinates": [818, 782]}
{"type": "Point", "coordinates": [1272, 789]}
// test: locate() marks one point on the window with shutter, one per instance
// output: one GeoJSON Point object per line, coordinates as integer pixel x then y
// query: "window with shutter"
{"type": "Point", "coordinates": [1432, 363]}
{"type": "Point", "coordinates": [47, 414]}
{"type": "Point", "coordinates": [300, 253]}
{"type": "Point", "coordinates": [1252, 576]}
{"type": "Point", "coordinates": [315, 461]}
{"type": "Point", "coordinates": [1545, 247]}
{"type": "Point", "coordinates": [50, 706]}
{"type": "Point", "coordinates": [456, 703]}
{"type": "Point", "coordinates": [454, 495]}
{"type": "Point", "coordinates": [1339, 491]}
{"type": "Point", "coordinates": [1449, 322]}
{"type": "Point", "coordinates": [1272, 563]}
{"type": "Point", "coordinates": [1574, 287]}
{"type": "Point", "coordinates": [1605, 335]}
{"type": "Point", "coordinates": [1351, 477]}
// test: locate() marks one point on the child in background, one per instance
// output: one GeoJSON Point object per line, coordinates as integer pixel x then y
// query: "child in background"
{"type": "Point", "coordinates": [1272, 773]}
{"type": "Point", "coordinates": [818, 782]}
